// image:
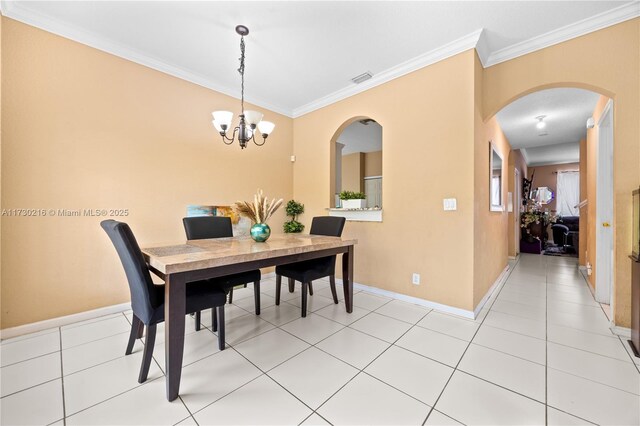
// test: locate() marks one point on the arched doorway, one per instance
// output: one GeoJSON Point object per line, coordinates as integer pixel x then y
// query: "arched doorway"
{"type": "Point", "coordinates": [563, 134]}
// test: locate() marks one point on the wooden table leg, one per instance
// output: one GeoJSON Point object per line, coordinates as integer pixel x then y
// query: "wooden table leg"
{"type": "Point", "coordinates": [347, 278]}
{"type": "Point", "coordinates": [174, 312]}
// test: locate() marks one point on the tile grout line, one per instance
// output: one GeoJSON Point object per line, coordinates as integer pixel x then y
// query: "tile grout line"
{"type": "Point", "coordinates": [21, 338]}
{"type": "Point", "coordinates": [314, 411]}
{"type": "Point", "coordinates": [468, 345]}
{"type": "Point", "coordinates": [362, 371]}
{"type": "Point", "coordinates": [30, 387]}
{"type": "Point", "coordinates": [30, 359]}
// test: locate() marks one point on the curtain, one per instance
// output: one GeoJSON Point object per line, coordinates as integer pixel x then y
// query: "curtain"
{"type": "Point", "coordinates": [568, 193]}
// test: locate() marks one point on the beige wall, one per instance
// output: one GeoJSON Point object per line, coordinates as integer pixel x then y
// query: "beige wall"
{"type": "Point", "coordinates": [489, 227]}
{"type": "Point", "coordinates": [592, 161]}
{"type": "Point", "coordinates": [584, 217]}
{"type": "Point", "coordinates": [548, 176]}
{"type": "Point", "coordinates": [416, 234]}
{"type": "Point", "coordinates": [85, 129]}
{"type": "Point", "coordinates": [516, 161]}
{"type": "Point", "coordinates": [605, 61]}
{"type": "Point", "coordinates": [373, 163]}
{"type": "Point", "coordinates": [353, 166]}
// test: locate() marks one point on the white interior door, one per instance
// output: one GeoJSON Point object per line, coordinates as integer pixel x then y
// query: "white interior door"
{"type": "Point", "coordinates": [604, 207]}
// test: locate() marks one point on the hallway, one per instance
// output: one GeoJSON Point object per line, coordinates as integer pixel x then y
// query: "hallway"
{"type": "Point", "coordinates": [561, 348]}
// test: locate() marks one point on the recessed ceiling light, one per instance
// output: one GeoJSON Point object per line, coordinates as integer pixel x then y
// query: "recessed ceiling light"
{"type": "Point", "coordinates": [541, 124]}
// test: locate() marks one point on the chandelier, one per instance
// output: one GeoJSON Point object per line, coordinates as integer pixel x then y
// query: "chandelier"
{"type": "Point", "coordinates": [249, 120]}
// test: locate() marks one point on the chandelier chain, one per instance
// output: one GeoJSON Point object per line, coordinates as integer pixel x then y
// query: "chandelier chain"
{"type": "Point", "coordinates": [241, 71]}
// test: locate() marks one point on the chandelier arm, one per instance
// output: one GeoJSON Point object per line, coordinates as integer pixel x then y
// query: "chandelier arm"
{"type": "Point", "coordinates": [264, 140]}
{"type": "Point", "coordinates": [225, 138]}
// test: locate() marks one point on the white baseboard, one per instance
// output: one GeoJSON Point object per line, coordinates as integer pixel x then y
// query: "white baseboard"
{"type": "Point", "coordinates": [430, 304]}
{"type": "Point", "coordinates": [8, 333]}
{"type": "Point", "coordinates": [502, 278]}
{"type": "Point", "coordinates": [107, 310]}
{"type": "Point", "coordinates": [70, 319]}
{"type": "Point", "coordinates": [621, 331]}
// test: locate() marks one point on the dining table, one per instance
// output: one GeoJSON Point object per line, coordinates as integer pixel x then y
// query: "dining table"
{"type": "Point", "coordinates": [196, 260]}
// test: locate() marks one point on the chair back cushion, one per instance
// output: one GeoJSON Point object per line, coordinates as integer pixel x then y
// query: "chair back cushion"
{"type": "Point", "coordinates": [327, 225]}
{"type": "Point", "coordinates": [144, 295]}
{"type": "Point", "coordinates": [203, 227]}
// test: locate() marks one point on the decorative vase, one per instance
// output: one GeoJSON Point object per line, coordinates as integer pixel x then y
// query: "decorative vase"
{"type": "Point", "coordinates": [260, 232]}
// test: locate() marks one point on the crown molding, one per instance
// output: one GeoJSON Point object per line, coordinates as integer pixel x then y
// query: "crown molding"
{"type": "Point", "coordinates": [482, 48]}
{"type": "Point", "coordinates": [16, 10]}
{"type": "Point", "coordinates": [597, 22]}
{"type": "Point", "coordinates": [457, 46]}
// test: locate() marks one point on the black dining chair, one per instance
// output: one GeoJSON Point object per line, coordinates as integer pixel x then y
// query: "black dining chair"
{"type": "Point", "coordinates": [310, 270]}
{"type": "Point", "coordinates": [204, 227]}
{"type": "Point", "coordinates": [147, 298]}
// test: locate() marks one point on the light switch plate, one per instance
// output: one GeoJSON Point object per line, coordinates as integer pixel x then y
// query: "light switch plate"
{"type": "Point", "coordinates": [450, 204]}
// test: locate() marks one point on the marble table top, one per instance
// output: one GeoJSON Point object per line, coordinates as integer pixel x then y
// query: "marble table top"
{"type": "Point", "coordinates": [202, 254]}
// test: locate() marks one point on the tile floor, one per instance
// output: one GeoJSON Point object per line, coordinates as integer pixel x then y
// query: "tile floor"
{"type": "Point", "coordinates": [540, 352]}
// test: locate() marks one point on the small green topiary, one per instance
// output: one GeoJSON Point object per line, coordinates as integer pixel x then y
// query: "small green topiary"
{"type": "Point", "coordinates": [350, 195]}
{"type": "Point", "coordinates": [293, 209]}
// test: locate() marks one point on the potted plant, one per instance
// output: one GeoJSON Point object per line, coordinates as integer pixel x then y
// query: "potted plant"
{"type": "Point", "coordinates": [259, 212]}
{"type": "Point", "coordinates": [353, 200]}
{"type": "Point", "coordinates": [293, 209]}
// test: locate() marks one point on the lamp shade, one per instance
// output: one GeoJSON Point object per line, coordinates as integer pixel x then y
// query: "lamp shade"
{"type": "Point", "coordinates": [252, 117]}
{"type": "Point", "coordinates": [223, 118]}
{"type": "Point", "coordinates": [266, 127]}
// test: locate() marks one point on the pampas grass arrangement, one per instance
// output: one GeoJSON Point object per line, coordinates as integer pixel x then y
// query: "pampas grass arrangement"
{"type": "Point", "coordinates": [260, 210]}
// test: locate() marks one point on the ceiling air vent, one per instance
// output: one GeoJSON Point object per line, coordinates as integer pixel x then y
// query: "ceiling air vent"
{"type": "Point", "coordinates": [362, 77]}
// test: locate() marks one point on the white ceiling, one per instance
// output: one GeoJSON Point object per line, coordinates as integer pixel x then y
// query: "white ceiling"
{"type": "Point", "coordinates": [566, 111]}
{"type": "Point", "coordinates": [302, 55]}
{"type": "Point", "coordinates": [358, 137]}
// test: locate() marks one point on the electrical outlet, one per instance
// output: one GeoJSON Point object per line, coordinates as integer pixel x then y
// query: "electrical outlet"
{"type": "Point", "coordinates": [416, 279]}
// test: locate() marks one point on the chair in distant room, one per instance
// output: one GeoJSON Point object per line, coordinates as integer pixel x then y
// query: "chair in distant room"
{"type": "Point", "coordinates": [147, 298]}
{"type": "Point", "coordinates": [205, 227]}
{"type": "Point", "coordinates": [560, 235]}
{"type": "Point", "coordinates": [310, 270]}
